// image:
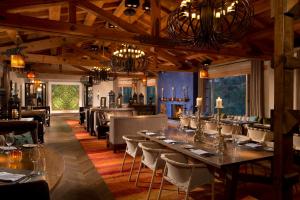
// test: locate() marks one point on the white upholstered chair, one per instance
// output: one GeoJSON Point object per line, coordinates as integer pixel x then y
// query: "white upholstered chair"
{"type": "Point", "coordinates": [185, 121]}
{"type": "Point", "coordinates": [259, 135]}
{"type": "Point", "coordinates": [184, 174]}
{"type": "Point", "coordinates": [227, 129]}
{"type": "Point", "coordinates": [132, 150]}
{"type": "Point", "coordinates": [151, 159]}
{"type": "Point", "coordinates": [296, 142]}
{"type": "Point", "coordinates": [193, 123]}
{"type": "Point", "coordinates": [210, 126]}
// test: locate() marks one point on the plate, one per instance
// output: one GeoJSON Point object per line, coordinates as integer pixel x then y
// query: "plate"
{"type": "Point", "coordinates": [188, 146]}
{"type": "Point", "coordinates": [29, 145]}
{"type": "Point", "coordinates": [144, 131]}
{"type": "Point", "coordinates": [160, 137]}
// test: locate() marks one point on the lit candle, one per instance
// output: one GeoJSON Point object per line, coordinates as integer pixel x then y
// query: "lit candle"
{"type": "Point", "coordinates": [199, 101]}
{"type": "Point", "coordinates": [219, 103]}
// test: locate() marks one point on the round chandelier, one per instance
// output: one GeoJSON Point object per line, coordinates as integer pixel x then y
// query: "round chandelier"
{"type": "Point", "coordinates": [100, 73]}
{"type": "Point", "coordinates": [210, 23]}
{"type": "Point", "coordinates": [128, 58]}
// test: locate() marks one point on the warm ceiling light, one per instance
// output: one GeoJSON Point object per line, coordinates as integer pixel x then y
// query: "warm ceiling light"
{"type": "Point", "coordinates": [17, 61]}
{"type": "Point", "coordinates": [31, 75]}
{"type": "Point", "coordinates": [144, 81]}
{"type": "Point", "coordinates": [132, 3]}
{"type": "Point", "coordinates": [146, 5]}
{"type": "Point", "coordinates": [203, 73]}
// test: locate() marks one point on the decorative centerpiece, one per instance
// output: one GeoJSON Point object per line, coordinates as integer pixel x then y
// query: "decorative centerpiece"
{"type": "Point", "coordinates": [220, 144]}
{"type": "Point", "coordinates": [199, 133]}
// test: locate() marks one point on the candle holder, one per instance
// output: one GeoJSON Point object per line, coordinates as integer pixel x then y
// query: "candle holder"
{"type": "Point", "coordinates": [220, 144]}
{"type": "Point", "coordinates": [199, 133]}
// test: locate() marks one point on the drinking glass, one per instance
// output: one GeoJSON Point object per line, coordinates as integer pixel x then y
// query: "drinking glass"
{"type": "Point", "coordinates": [34, 155]}
{"type": "Point", "coordinates": [2, 140]}
{"type": "Point", "coordinates": [9, 139]}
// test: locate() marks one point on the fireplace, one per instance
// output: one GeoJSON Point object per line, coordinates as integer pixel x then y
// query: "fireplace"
{"type": "Point", "coordinates": [176, 110]}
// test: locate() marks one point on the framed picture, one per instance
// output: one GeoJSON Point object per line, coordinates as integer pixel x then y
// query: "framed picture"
{"type": "Point", "coordinates": [103, 102]}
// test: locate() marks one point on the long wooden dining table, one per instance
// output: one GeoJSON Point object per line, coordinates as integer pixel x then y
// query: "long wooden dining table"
{"type": "Point", "coordinates": [54, 166]}
{"type": "Point", "coordinates": [228, 164]}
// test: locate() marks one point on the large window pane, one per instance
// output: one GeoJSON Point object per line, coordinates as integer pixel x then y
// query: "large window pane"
{"type": "Point", "coordinates": [151, 94]}
{"type": "Point", "coordinates": [233, 92]}
{"type": "Point", "coordinates": [127, 93]}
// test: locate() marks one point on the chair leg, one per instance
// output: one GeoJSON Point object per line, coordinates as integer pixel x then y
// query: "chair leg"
{"type": "Point", "coordinates": [132, 166]}
{"type": "Point", "coordinates": [161, 188]}
{"type": "Point", "coordinates": [213, 190]}
{"type": "Point", "coordinates": [150, 187]}
{"type": "Point", "coordinates": [187, 194]}
{"type": "Point", "coordinates": [177, 192]}
{"type": "Point", "coordinates": [123, 161]}
{"type": "Point", "coordinates": [138, 175]}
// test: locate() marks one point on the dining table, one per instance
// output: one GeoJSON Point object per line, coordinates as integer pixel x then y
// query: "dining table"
{"type": "Point", "coordinates": [53, 166]}
{"type": "Point", "coordinates": [227, 163]}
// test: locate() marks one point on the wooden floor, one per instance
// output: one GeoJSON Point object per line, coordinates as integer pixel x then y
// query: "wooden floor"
{"type": "Point", "coordinates": [80, 179]}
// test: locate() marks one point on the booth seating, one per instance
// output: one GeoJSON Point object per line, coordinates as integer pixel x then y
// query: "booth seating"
{"type": "Point", "coordinates": [130, 125]}
{"type": "Point", "coordinates": [92, 116]}
{"type": "Point", "coordinates": [20, 127]}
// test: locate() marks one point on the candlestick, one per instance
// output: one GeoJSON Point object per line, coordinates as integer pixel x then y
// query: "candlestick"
{"type": "Point", "coordinates": [199, 132]}
{"type": "Point", "coordinates": [219, 103]}
{"type": "Point", "coordinates": [199, 101]}
{"type": "Point", "coordinates": [220, 144]}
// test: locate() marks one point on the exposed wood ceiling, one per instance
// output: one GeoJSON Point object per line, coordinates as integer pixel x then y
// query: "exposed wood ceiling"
{"type": "Point", "coordinates": [60, 32]}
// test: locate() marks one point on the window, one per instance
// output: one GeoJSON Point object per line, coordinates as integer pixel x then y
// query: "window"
{"type": "Point", "coordinates": [127, 94]}
{"type": "Point", "coordinates": [233, 92]}
{"type": "Point", "coordinates": [151, 94]}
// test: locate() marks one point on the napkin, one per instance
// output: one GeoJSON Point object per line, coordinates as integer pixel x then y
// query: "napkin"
{"type": "Point", "coordinates": [6, 148]}
{"type": "Point", "coordinates": [198, 151]}
{"type": "Point", "coordinates": [189, 131]}
{"type": "Point", "coordinates": [150, 133]}
{"type": "Point", "coordinates": [5, 176]}
{"type": "Point", "coordinates": [169, 141]}
{"type": "Point", "coordinates": [253, 145]}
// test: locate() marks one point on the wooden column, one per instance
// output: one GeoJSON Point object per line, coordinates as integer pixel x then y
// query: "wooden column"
{"type": "Point", "coordinates": [283, 101]}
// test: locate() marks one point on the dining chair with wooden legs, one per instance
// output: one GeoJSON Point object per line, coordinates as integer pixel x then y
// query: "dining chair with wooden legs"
{"type": "Point", "coordinates": [185, 174]}
{"type": "Point", "coordinates": [151, 159]}
{"type": "Point", "coordinates": [132, 150]}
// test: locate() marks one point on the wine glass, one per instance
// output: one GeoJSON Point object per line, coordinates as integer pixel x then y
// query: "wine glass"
{"type": "Point", "coordinates": [34, 155]}
{"type": "Point", "coordinates": [2, 140]}
{"type": "Point", "coordinates": [9, 139]}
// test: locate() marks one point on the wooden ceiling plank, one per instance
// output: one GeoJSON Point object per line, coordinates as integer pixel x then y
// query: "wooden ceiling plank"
{"type": "Point", "coordinates": [85, 5]}
{"type": "Point", "coordinates": [120, 9]}
{"type": "Point", "coordinates": [19, 5]}
{"type": "Point", "coordinates": [80, 31]}
{"type": "Point", "coordinates": [80, 68]}
{"type": "Point", "coordinates": [72, 13]}
{"type": "Point", "coordinates": [155, 18]}
{"type": "Point", "coordinates": [90, 18]}
{"type": "Point", "coordinates": [13, 34]}
{"type": "Point", "coordinates": [40, 44]}
{"type": "Point", "coordinates": [90, 54]}
{"type": "Point", "coordinates": [54, 13]}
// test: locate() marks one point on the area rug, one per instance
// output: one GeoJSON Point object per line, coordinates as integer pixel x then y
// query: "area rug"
{"type": "Point", "coordinates": [108, 165]}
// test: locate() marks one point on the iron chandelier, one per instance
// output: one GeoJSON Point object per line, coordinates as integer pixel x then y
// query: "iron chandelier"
{"type": "Point", "coordinates": [210, 23]}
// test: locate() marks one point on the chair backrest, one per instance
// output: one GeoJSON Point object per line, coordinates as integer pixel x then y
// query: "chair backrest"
{"type": "Point", "coordinates": [181, 171]}
{"type": "Point", "coordinates": [151, 154]}
{"type": "Point", "coordinates": [259, 135]}
{"type": "Point", "coordinates": [296, 141]}
{"type": "Point", "coordinates": [132, 143]}
{"type": "Point", "coordinates": [30, 190]}
{"type": "Point", "coordinates": [193, 122]}
{"type": "Point", "coordinates": [184, 121]}
{"type": "Point", "coordinates": [210, 126]}
{"type": "Point", "coordinates": [227, 129]}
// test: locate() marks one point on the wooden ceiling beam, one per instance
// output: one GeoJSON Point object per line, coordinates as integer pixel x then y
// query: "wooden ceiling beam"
{"type": "Point", "coordinates": [155, 18]}
{"type": "Point", "coordinates": [85, 5]}
{"type": "Point", "coordinates": [80, 31]}
{"type": "Point", "coordinates": [80, 68]}
{"type": "Point", "coordinates": [13, 34]}
{"type": "Point", "coordinates": [56, 60]}
{"type": "Point", "coordinates": [120, 9]}
{"type": "Point", "coordinates": [72, 12]}
{"type": "Point", "coordinates": [90, 18]}
{"type": "Point", "coordinates": [92, 55]}
{"type": "Point", "coordinates": [40, 44]}
{"type": "Point", "coordinates": [55, 13]}
{"type": "Point", "coordinates": [65, 72]}
{"type": "Point", "coordinates": [20, 5]}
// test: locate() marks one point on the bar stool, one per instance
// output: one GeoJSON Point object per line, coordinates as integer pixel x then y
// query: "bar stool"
{"type": "Point", "coordinates": [185, 174]}
{"type": "Point", "coordinates": [151, 159]}
{"type": "Point", "coordinates": [132, 149]}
